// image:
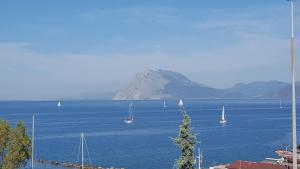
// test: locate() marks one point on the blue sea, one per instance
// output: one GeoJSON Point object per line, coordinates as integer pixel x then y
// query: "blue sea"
{"type": "Point", "coordinates": [255, 128]}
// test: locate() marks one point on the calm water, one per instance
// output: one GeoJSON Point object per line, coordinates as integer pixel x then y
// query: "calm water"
{"type": "Point", "coordinates": [254, 129]}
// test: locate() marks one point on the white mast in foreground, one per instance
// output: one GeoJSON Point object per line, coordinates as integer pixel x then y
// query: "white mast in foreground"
{"type": "Point", "coordinates": [199, 158]}
{"type": "Point", "coordinates": [82, 153]}
{"type": "Point", "coordinates": [293, 88]}
{"type": "Point", "coordinates": [32, 142]}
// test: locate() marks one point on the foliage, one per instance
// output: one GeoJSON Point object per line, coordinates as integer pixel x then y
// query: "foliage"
{"type": "Point", "coordinates": [186, 142]}
{"type": "Point", "coordinates": [4, 138]}
{"type": "Point", "coordinates": [15, 146]}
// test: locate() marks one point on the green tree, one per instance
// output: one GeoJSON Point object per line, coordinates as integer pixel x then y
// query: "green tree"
{"type": "Point", "coordinates": [186, 141]}
{"type": "Point", "coordinates": [15, 147]}
{"type": "Point", "coordinates": [4, 138]}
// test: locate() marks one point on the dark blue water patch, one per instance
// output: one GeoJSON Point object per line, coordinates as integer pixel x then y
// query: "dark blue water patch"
{"type": "Point", "coordinates": [255, 128]}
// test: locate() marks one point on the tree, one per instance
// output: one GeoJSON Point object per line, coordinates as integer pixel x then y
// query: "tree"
{"type": "Point", "coordinates": [186, 142]}
{"type": "Point", "coordinates": [4, 138]}
{"type": "Point", "coordinates": [15, 146]}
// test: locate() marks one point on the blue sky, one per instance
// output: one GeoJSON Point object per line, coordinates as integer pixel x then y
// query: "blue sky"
{"type": "Point", "coordinates": [66, 49]}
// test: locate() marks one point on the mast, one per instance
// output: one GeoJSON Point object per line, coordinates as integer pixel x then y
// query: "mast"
{"type": "Point", "coordinates": [199, 159]}
{"type": "Point", "coordinates": [293, 88]}
{"type": "Point", "coordinates": [130, 111]}
{"type": "Point", "coordinates": [82, 152]}
{"type": "Point", "coordinates": [32, 140]}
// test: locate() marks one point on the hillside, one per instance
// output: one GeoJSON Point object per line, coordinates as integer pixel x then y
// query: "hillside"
{"type": "Point", "coordinates": [163, 84]}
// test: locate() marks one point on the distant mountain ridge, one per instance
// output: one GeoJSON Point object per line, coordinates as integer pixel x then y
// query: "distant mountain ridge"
{"type": "Point", "coordinates": [165, 84]}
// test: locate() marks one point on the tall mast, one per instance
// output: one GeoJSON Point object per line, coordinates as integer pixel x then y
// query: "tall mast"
{"type": "Point", "coordinates": [82, 152]}
{"type": "Point", "coordinates": [293, 88]}
{"type": "Point", "coordinates": [32, 140]}
{"type": "Point", "coordinates": [199, 159]}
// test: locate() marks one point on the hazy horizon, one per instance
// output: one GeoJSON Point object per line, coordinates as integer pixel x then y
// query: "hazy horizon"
{"type": "Point", "coordinates": [68, 49]}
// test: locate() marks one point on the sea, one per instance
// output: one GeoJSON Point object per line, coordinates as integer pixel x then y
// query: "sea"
{"type": "Point", "coordinates": [254, 129]}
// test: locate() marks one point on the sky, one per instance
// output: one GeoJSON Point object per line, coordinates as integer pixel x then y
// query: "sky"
{"type": "Point", "coordinates": [72, 49]}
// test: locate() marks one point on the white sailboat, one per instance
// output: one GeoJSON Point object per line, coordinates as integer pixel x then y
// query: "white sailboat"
{"type": "Point", "coordinates": [180, 104]}
{"type": "Point", "coordinates": [165, 104]}
{"type": "Point", "coordinates": [129, 119]}
{"type": "Point", "coordinates": [82, 143]}
{"type": "Point", "coordinates": [58, 104]}
{"type": "Point", "coordinates": [223, 120]}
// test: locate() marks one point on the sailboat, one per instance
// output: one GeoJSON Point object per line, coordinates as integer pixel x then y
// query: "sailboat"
{"type": "Point", "coordinates": [180, 104]}
{"type": "Point", "coordinates": [165, 104]}
{"type": "Point", "coordinates": [223, 120]}
{"type": "Point", "coordinates": [82, 142]}
{"type": "Point", "coordinates": [58, 104]}
{"type": "Point", "coordinates": [129, 119]}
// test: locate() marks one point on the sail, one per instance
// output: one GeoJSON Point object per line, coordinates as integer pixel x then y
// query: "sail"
{"type": "Point", "coordinates": [223, 114]}
{"type": "Point", "coordinates": [180, 104]}
{"type": "Point", "coordinates": [223, 120]}
{"type": "Point", "coordinates": [129, 119]}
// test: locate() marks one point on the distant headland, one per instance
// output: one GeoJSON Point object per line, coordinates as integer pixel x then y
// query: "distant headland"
{"type": "Point", "coordinates": [165, 84]}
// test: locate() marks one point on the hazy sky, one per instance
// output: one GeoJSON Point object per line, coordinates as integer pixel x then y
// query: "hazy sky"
{"type": "Point", "coordinates": [54, 49]}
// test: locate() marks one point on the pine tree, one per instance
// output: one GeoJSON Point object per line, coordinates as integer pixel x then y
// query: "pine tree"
{"type": "Point", "coordinates": [186, 142]}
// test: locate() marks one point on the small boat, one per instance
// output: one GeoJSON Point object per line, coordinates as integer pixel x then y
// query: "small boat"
{"type": "Point", "coordinates": [180, 104]}
{"type": "Point", "coordinates": [165, 104]}
{"type": "Point", "coordinates": [223, 120]}
{"type": "Point", "coordinates": [58, 104]}
{"type": "Point", "coordinates": [288, 155]}
{"type": "Point", "coordinates": [129, 119]}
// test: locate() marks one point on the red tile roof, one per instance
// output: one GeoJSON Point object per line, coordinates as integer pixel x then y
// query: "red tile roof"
{"type": "Point", "coordinates": [254, 165]}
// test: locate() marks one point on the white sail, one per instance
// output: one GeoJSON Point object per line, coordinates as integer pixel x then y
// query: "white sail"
{"type": "Point", "coordinates": [129, 119]}
{"type": "Point", "coordinates": [180, 104]}
{"type": "Point", "coordinates": [58, 104]}
{"type": "Point", "coordinates": [223, 120]}
{"type": "Point", "coordinates": [165, 104]}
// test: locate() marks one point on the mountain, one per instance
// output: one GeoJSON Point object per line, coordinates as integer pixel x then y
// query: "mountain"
{"type": "Point", "coordinates": [260, 89]}
{"type": "Point", "coordinates": [162, 84]}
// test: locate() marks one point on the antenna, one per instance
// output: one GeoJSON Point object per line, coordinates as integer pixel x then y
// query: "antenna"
{"type": "Point", "coordinates": [293, 88]}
